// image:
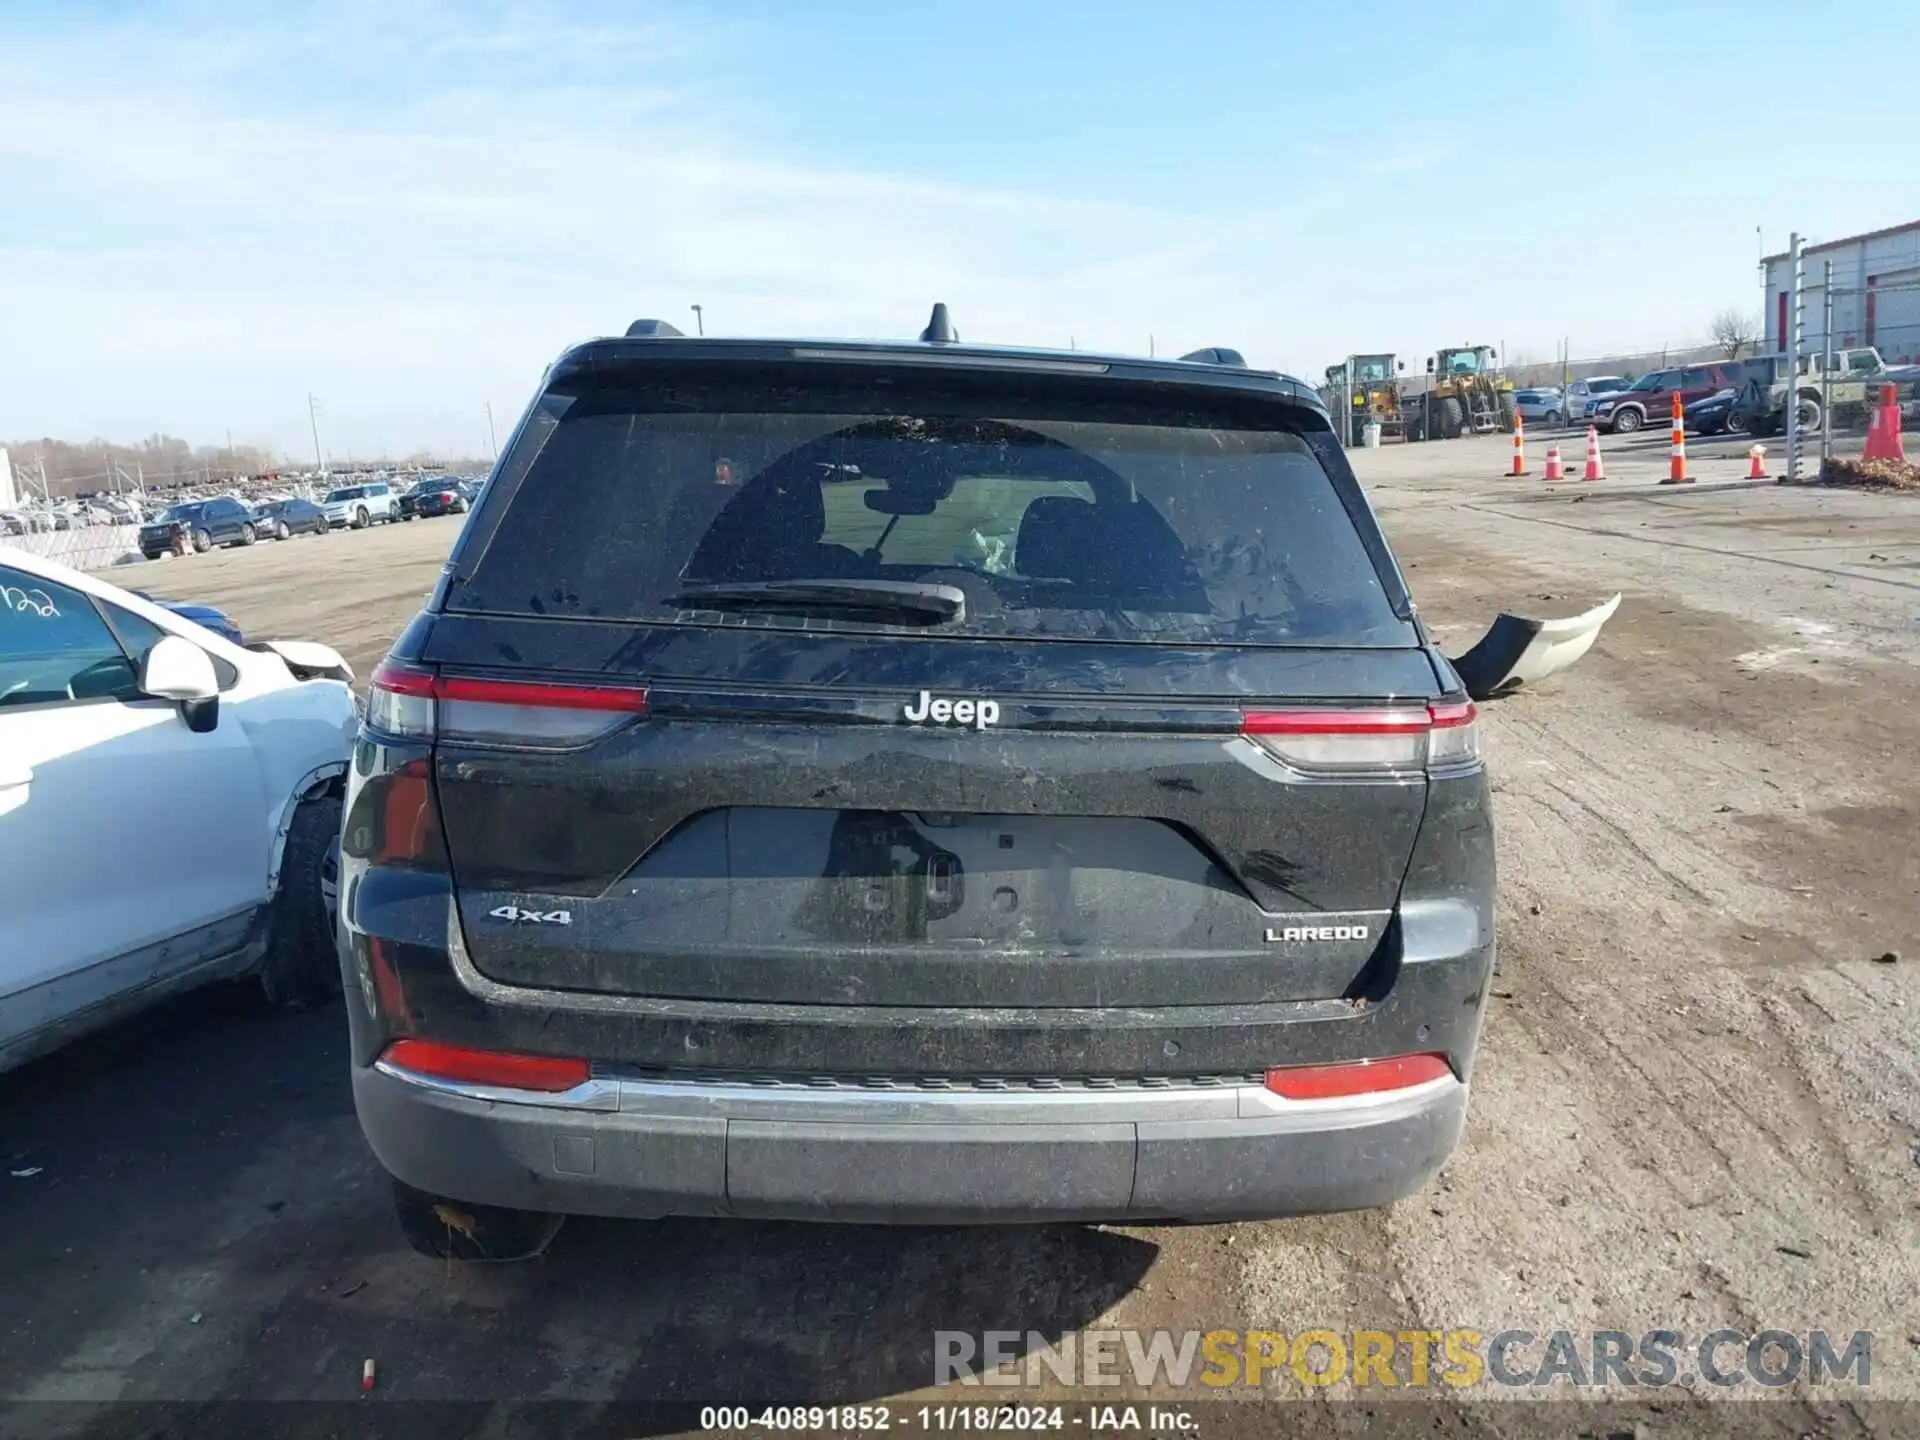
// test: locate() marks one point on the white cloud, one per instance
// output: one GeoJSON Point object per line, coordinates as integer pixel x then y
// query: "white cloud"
{"type": "Point", "coordinates": [413, 216]}
{"type": "Point", "coordinates": [214, 251]}
{"type": "Point", "coordinates": [409, 209]}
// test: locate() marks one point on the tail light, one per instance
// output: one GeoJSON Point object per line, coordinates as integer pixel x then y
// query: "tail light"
{"type": "Point", "coordinates": [1399, 740]}
{"type": "Point", "coordinates": [508, 1071]}
{"type": "Point", "coordinates": [527, 714]}
{"type": "Point", "coordinates": [405, 829]}
{"type": "Point", "coordinates": [1356, 1077]}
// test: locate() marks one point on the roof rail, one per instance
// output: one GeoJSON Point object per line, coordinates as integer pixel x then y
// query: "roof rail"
{"type": "Point", "coordinates": [1216, 355]}
{"type": "Point", "coordinates": [653, 330]}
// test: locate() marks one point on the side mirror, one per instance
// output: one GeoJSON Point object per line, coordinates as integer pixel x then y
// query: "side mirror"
{"type": "Point", "coordinates": [1403, 364]}
{"type": "Point", "coordinates": [1429, 365]}
{"type": "Point", "coordinates": [177, 669]}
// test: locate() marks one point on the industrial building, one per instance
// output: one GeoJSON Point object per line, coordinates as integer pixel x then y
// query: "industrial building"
{"type": "Point", "coordinates": [1876, 293]}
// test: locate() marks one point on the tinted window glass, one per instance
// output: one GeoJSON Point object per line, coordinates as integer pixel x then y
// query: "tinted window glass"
{"type": "Point", "coordinates": [1084, 520]}
{"type": "Point", "coordinates": [137, 636]}
{"type": "Point", "coordinates": [1694, 379]}
{"type": "Point", "coordinates": [54, 647]}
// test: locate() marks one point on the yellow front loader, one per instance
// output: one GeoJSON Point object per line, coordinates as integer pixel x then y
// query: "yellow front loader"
{"type": "Point", "coordinates": [1363, 390]}
{"type": "Point", "coordinates": [1466, 395]}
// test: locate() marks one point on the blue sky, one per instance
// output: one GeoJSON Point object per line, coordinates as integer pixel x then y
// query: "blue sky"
{"type": "Point", "coordinates": [408, 208]}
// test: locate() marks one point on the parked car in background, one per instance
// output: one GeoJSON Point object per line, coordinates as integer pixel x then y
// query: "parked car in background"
{"type": "Point", "coordinates": [1905, 380]}
{"type": "Point", "coordinates": [200, 524]}
{"type": "Point", "coordinates": [432, 495]}
{"type": "Point", "coordinates": [358, 506]}
{"type": "Point", "coordinates": [283, 519]}
{"type": "Point", "coordinates": [1713, 415]}
{"type": "Point", "coordinates": [1649, 400]}
{"type": "Point", "coordinates": [1583, 395]}
{"type": "Point", "coordinates": [169, 807]}
{"type": "Point", "coordinates": [1765, 381]}
{"type": "Point", "coordinates": [218, 621]}
{"type": "Point", "coordinates": [444, 497]}
{"type": "Point", "coordinates": [938, 876]}
{"type": "Point", "coordinates": [1546, 406]}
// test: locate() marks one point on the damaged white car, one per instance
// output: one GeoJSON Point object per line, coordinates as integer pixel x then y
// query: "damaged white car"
{"type": "Point", "coordinates": [169, 807]}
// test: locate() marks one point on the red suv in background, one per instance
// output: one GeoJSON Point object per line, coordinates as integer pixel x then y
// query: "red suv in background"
{"type": "Point", "coordinates": [1649, 400]}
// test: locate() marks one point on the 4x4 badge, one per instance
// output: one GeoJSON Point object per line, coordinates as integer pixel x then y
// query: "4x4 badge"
{"type": "Point", "coordinates": [977, 713]}
{"type": "Point", "coordinates": [531, 917]}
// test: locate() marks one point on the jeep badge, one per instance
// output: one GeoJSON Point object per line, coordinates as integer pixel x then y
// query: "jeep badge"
{"type": "Point", "coordinates": [977, 713]}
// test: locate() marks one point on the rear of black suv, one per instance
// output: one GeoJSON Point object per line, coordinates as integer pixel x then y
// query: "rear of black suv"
{"type": "Point", "coordinates": [915, 783]}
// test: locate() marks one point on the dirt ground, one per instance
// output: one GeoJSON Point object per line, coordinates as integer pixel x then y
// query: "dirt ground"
{"type": "Point", "coordinates": [1697, 1105]}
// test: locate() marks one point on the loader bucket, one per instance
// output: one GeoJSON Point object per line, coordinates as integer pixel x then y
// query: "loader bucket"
{"type": "Point", "coordinates": [1517, 651]}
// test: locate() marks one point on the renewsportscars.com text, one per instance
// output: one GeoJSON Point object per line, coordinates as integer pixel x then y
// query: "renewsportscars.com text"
{"type": "Point", "coordinates": [1459, 1358]}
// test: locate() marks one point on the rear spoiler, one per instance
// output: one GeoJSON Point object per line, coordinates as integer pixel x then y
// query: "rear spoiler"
{"type": "Point", "coordinates": [1517, 651]}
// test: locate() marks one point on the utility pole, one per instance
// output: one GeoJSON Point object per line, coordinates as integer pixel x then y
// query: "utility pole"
{"type": "Point", "coordinates": [699, 320]}
{"type": "Point", "coordinates": [313, 419]}
{"type": "Point", "coordinates": [490, 440]}
{"type": "Point", "coordinates": [1791, 343]}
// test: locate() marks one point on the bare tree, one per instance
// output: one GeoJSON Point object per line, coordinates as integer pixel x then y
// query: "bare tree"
{"type": "Point", "coordinates": [1734, 331]}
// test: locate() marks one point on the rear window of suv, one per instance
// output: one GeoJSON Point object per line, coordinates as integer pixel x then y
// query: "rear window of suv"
{"type": "Point", "coordinates": [1084, 518]}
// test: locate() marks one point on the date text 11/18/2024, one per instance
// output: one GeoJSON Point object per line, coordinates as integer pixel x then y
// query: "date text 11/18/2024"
{"type": "Point", "coordinates": [961, 1419]}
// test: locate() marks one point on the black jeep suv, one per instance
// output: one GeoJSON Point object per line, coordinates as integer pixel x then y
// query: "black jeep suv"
{"type": "Point", "coordinates": [912, 782]}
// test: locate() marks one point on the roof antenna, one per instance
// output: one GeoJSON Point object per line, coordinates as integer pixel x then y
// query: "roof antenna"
{"type": "Point", "coordinates": [940, 329]}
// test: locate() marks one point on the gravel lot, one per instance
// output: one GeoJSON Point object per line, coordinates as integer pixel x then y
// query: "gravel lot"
{"type": "Point", "coordinates": [1697, 1106]}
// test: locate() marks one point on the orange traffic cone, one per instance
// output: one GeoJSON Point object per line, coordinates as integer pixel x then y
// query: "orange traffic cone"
{"type": "Point", "coordinates": [1883, 435]}
{"type": "Point", "coordinates": [1594, 470]}
{"type": "Point", "coordinates": [1554, 471]}
{"type": "Point", "coordinates": [1677, 466]}
{"type": "Point", "coordinates": [1757, 463]}
{"type": "Point", "coordinates": [1519, 446]}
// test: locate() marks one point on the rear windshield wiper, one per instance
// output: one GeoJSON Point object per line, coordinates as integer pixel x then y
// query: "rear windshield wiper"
{"type": "Point", "coordinates": [909, 599]}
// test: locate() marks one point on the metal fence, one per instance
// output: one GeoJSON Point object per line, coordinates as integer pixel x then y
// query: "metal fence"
{"type": "Point", "coordinates": [85, 547]}
{"type": "Point", "coordinates": [1532, 374]}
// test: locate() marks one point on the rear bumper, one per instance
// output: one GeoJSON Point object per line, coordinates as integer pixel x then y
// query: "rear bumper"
{"type": "Point", "coordinates": [642, 1148]}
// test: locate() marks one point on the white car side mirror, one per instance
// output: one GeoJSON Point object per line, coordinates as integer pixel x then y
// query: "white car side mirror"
{"type": "Point", "coordinates": [178, 669]}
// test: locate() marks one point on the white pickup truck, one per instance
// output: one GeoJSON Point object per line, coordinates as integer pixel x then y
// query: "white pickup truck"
{"type": "Point", "coordinates": [1760, 407]}
{"type": "Point", "coordinates": [358, 506]}
{"type": "Point", "coordinates": [169, 807]}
